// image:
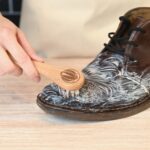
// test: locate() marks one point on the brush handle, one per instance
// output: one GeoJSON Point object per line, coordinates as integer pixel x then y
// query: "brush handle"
{"type": "Point", "coordinates": [47, 70]}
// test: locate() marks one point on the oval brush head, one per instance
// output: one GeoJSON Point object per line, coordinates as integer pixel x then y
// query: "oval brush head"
{"type": "Point", "coordinates": [67, 78]}
{"type": "Point", "coordinates": [72, 79]}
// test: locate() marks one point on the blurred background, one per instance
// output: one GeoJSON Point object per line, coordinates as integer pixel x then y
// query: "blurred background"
{"type": "Point", "coordinates": [11, 9]}
{"type": "Point", "coordinates": [68, 28]}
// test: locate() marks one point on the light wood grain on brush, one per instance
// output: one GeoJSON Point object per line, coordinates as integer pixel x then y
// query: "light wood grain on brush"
{"type": "Point", "coordinates": [67, 78]}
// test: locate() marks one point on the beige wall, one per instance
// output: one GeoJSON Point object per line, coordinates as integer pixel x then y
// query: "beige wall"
{"type": "Point", "coordinates": [72, 28]}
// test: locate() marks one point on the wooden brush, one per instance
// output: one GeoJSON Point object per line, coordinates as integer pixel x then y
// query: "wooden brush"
{"type": "Point", "coordinates": [67, 78]}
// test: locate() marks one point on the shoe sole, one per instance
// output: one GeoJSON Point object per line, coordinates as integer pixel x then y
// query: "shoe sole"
{"type": "Point", "coordinates": [97, 116]}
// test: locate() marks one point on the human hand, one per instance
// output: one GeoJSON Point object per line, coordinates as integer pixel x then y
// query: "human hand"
{"type": "Point", "coordinates": [14, 43]}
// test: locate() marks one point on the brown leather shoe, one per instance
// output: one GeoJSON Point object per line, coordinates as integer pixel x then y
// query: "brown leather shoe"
{"type": "Point", "coordinates": [117, 80]}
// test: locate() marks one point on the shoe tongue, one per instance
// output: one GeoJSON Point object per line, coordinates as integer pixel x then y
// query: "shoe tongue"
{"type": "Point", "coordinates": [123, 31]}
{"type": "Point", "coordinates": [141, 52]}
{"type": "Point", "coordinates": [125, 28]}
{"type": "Point", "coordinates": [134, 22]}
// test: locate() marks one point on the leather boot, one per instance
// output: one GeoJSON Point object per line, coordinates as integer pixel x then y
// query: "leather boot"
{"type": "Point", "coordinates": [117, 80]}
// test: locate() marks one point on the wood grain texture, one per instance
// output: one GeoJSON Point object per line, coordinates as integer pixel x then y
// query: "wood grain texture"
{"type": "Point", "coordinates": [24, 126]}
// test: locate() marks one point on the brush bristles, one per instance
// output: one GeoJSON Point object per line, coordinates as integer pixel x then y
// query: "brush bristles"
{"type": "Point", "coordinates": [68, 93]}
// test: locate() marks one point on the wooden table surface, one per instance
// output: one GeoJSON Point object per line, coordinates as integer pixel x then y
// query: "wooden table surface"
{"type": "Point", "coordinates": [24, 126]}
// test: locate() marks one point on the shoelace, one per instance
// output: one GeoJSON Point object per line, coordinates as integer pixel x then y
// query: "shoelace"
{"type": "Point", "coordinates": [116, 41]}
